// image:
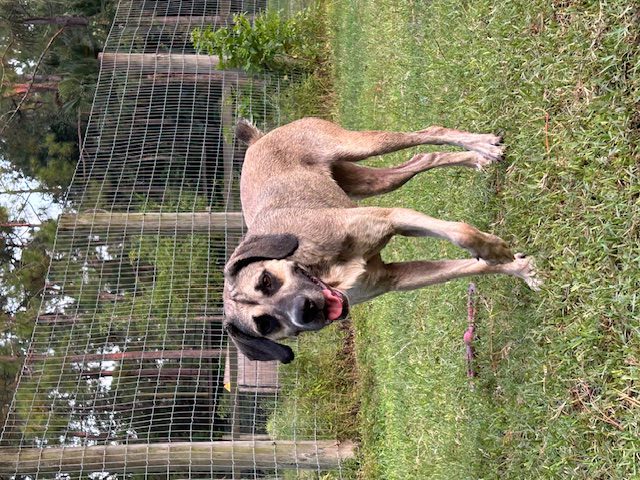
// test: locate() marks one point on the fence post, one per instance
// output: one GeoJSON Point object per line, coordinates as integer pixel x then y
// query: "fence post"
{"type": "Point", "coordinates": [175, 456]}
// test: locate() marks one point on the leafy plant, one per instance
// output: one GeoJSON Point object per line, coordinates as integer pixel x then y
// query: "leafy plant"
{"type": "Point", "coordinates": [271, 42]}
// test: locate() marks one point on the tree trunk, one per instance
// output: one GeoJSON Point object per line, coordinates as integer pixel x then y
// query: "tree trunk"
{"type": "Point", "coordinates": [15, 89]}
{"type": "Point", "coordinates": [10, 358]}
{"type": "Point", "coordinates": [52, 191]}
{"type": "Point", "coordinates": [19, 224]}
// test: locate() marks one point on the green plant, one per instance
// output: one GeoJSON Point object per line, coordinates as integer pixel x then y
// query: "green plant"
{"type": "Point", "coordinates": [271, 42]}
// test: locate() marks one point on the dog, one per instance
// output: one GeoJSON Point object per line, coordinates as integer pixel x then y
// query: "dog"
{"type": "Point", "coordinates": [310, 252]}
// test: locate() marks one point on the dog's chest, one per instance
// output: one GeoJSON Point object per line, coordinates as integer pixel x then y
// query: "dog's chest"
{"type": "Point", "coordinates": [344, 275]}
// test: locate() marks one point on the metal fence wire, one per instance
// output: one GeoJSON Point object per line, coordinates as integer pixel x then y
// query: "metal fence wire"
{"type": "Point", "coordinates": [129, 374]}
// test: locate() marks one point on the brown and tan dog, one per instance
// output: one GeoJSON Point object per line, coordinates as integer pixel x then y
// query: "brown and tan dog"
{"type": "Point", "coordinates": [310, 252]}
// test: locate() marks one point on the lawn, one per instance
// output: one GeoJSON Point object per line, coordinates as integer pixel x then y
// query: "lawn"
{"type": "Point", "coordinates": [558, 391]}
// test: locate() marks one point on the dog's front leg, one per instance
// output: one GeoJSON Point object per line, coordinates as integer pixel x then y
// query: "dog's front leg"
{"type": "Point", "coordinates": [386, 277]}
{"type": "Point", "coordinates": [406, 222]}
{"type": "Point", "coordinates": [418, 274]}
{"type": "Point", "coordinates": [482, 245]}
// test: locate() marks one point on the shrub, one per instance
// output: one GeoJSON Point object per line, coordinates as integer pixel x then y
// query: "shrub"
{"type": "Point", "coordinates": [271, 42]}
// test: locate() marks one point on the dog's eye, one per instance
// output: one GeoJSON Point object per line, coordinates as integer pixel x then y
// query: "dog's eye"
{"type": "Point", "coordinates": [267, 283]}
{"type": "Point", "coordinates": [266, 324]}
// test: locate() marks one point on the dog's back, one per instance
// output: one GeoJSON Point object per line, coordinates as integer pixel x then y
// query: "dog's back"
{"type": "Point", "coordinates": [287, 168]}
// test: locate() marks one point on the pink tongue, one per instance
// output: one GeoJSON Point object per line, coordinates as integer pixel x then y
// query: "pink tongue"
{"type": "Point", "coordinates": [333, 303]}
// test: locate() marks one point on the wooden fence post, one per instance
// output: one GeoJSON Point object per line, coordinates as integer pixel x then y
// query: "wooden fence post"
{"type": "Point", "coordinates": [176, 456]}
{"type": "Point", "coordinates": [153, 222]}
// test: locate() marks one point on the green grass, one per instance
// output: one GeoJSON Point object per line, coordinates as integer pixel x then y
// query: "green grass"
{"type": "Point", "coordinates": [558, 394]}
{"type": "Point", "coordinates": [318, 399]}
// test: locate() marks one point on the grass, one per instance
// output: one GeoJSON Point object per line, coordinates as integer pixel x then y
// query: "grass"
{"type": "Point", "coordinates": [318, 399]}
{"type": "Point", "coordinates": [558, 394]}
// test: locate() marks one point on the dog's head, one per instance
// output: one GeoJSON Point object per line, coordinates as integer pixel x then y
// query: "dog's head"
{"type": "Point", "coordinates": [268, 297]}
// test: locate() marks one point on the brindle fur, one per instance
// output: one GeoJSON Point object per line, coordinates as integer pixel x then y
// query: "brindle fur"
{"type": "Point", "coordinates": [298, 185]}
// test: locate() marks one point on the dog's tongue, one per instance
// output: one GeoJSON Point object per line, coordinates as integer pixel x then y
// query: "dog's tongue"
{"type": "Point", "coordinates": [333, 304]}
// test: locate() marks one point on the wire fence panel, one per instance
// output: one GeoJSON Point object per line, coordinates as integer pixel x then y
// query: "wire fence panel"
{"type": "Point", "coordinates": [129, 373]}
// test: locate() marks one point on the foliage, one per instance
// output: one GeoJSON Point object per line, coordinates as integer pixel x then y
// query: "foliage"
{"type": "Point", "coordinates": [42, 145]}
{"type": "Point", "coordinates": [22, 280]}
{"type": "Point", "coordinates": [558, 386]}
{"type": "Point", "coordinates": [268, 43]}
{"type": "Point", "coordinates": [60, 91]}
{"type": "Point", "coordinates": [23, 275]}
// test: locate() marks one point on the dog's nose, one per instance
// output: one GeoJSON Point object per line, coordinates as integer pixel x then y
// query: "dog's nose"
{"type": "Point", "coordinates": [305, 311]}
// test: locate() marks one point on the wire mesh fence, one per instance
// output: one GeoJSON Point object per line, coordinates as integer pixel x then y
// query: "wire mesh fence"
{"type": "Point", "coordinates": [129, 373]}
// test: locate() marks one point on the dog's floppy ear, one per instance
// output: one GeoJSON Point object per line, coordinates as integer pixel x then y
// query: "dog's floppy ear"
{"type": "Point", "coordinates": [259, 348]}
{"type": "Point", "coordinates": [261, 247]}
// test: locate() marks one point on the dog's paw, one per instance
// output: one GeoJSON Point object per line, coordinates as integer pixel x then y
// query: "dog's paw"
{"type": "Point", "coordinates": [489, 138]}
{"type": "Point", "coordinates": [524, 267]}
{"type": "Point", "coordinates": [478, 161]}
{"type": "Point", "coordinates": [491, 249]}
{"type": "Point", "coordinates": [491, 152]}
{"type": "Point", "coordinates": [486, 144]}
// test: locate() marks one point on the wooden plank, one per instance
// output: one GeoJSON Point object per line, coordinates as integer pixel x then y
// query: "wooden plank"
{"type": "Point", "coordinates": [256, 376]}
{"type": "Point", "coordinates": [136, 355]}
{"type": "Point", "coordinates": [156, 63]}
{"type": "Point", "coordinates": [182, 373]}
{"type": "Point", "coordinates": [232, 359]}
{"type": "Point", "coordinates": [249, 436]}
{"type": "Point", "coordinates": [175, 457]}
{"type": "Point", "coordinates": [215, 78]}
{"type": "Point", "coordinates": [228, 128]}
{"type": "Point", "coordinates": [59, 318]}
{"type": "Point", "coordinates": [151, 222]}
{"type": "Point", "coordinates": [193, 21]}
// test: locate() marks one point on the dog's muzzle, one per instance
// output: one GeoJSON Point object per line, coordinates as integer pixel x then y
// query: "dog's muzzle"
{"type": "Point", "coordinates": [336, 303]}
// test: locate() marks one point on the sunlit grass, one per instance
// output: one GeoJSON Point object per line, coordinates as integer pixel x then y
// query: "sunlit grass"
{"type": "Point", "coordinates": [558, 393]}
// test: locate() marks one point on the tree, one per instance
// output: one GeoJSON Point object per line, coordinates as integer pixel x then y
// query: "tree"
{"type": "Point", "coordinates": [23, 262]}
{"type": "Point", "coordinates": [23, 268]}
{"type": "Point", "coordinates": [49, 71]}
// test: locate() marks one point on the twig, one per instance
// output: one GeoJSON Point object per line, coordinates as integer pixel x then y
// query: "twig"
{"type": "Point", "coordinates": [546, 131]}
{"type": "Point", "coordinates": [79, 127]}
{"type": "Point", "coordinates": [33, 76]}
{"type": "Point", "coordinates": [629, 399]}
{"type": "Point", "coordinates": [4, 55]}
{"type": "Point", "coordinates": [470, 332]}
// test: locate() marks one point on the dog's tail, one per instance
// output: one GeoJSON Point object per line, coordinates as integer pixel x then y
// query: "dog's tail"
{"type": "Point", "coordinates": [247, 132]}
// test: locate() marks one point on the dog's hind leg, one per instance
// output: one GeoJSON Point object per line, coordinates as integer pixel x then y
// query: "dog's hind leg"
{"type": "Point", "coordinates": [325, 140]}
{"type": "Point", "coordinates": [361, 182]}
{"type": "Point", "coordinates": [359, 145]}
